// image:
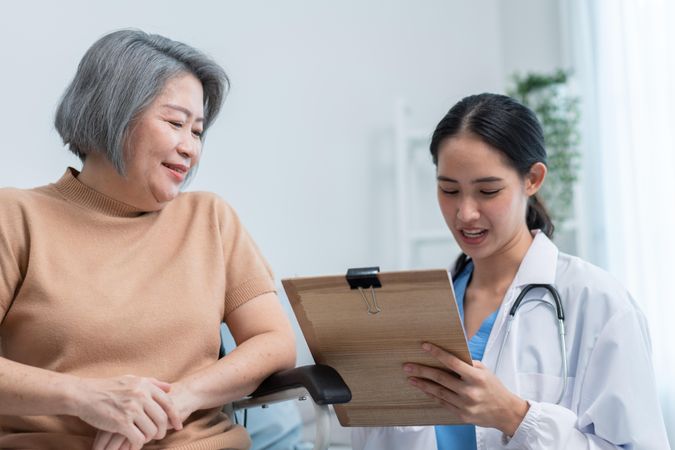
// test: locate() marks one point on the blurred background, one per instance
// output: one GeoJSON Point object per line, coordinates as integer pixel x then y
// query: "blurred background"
{"type": "Point", "coordinates": [322, 145]}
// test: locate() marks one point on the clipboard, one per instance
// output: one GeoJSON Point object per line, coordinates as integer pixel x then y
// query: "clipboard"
{"type": "Point", "coordinates": [366, 325]}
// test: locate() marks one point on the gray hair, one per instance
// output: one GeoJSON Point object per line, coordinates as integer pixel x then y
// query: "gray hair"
{"type": "Point", "coordinates": [118, 77]}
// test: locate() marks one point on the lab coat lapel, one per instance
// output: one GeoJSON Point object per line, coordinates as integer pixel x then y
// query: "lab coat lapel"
{"type": "Point", "coordinates": [538, 266]}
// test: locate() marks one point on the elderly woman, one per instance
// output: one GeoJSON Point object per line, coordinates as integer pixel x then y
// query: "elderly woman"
{"type": "Point", "coordinates": [114, 283]}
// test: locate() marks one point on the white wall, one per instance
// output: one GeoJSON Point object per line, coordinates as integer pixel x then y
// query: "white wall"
{"type": "Point", "coordinates": [302, 147]}
{"type": "Point", "coordinates": [531, 37]}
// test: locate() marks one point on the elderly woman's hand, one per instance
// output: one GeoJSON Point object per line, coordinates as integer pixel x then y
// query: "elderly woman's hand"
{"type": "Point", "coordinates": [184, 405]}
{"type": "Point", "coordinates": [105, 440]}
{"type": "Point", "coordinates": [128, 408]}
{"type": "Point", "coordinates": [475, 394]}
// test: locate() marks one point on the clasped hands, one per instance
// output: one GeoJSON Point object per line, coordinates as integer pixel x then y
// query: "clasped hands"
{"type": "Point", "coordinates": [130, 411]}
{"type": "Point", "coordinates": [472, 392]}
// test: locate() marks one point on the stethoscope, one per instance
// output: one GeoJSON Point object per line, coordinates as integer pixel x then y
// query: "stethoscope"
{"type": "Point", "coordinates": [560, 315]}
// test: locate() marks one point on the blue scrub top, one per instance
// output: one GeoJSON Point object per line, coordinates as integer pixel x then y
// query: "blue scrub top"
{"type": "Point", "coordinates": [453, 437]}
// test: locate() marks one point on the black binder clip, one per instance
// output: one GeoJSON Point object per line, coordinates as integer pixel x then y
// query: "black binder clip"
{"type": "Point", "coordinates": [363, 278]}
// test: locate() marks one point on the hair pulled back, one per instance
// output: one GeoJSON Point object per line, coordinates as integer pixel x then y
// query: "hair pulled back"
{"type": "Point", "coordinates": [507, 126]}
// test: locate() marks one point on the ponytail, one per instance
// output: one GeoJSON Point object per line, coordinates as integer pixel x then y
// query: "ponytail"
{"type": "Point", "coordinates": [537, 217]}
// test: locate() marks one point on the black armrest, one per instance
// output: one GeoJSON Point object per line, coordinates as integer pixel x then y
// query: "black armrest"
{"type": "Point", "coordinates": [323, 383]}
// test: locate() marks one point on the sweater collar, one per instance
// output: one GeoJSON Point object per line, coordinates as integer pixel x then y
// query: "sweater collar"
{"type": "Point", "coordinates": [77, 192]}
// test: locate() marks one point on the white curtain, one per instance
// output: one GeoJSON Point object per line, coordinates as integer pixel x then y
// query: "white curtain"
{"type": "Point", "coordinates": [624, 54]}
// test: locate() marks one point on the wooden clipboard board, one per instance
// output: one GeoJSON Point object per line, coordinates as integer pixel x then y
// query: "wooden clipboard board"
{"type": "Point", "coordinates": [368, 348]}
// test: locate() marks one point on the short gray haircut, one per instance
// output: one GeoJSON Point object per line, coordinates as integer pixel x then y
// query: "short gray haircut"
{"type": "Point", "coordinates": [119, 76]}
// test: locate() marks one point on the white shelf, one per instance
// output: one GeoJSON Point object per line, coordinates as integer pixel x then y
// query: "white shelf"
{"type": "Point", "coordinates": [422, 240]}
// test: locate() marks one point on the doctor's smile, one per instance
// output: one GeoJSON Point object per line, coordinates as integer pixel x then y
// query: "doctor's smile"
{"type": "Point", "coordinates": [473, 236]}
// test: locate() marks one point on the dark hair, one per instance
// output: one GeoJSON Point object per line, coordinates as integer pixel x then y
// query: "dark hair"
{"type": "Point", "coordinates": [118, 77]}
{"type": "Point", "coordinates": [505, 125]}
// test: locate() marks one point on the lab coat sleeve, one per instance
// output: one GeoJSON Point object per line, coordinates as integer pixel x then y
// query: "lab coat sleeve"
{"type": "Point", "coordinates": [618, 406]}
{"type": "Point", "coordinates": [394, 438]}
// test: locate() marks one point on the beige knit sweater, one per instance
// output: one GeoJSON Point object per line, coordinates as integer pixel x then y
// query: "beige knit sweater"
{"type": "Point", "coordinates": [95, 288]}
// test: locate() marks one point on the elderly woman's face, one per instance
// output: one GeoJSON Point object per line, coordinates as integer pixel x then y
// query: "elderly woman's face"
{"type": "Point", "coordinates": [165, 142]}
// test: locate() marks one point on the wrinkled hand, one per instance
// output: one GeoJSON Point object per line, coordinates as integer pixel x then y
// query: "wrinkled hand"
{"type": "Point", "coordinates": [105, 440]}
{"type": "Point", "coordinates": [183, 402]}
{"type": "Point", "coordinates": [132, 410]}
{"type": "Point", "coordinates": [473, 393]}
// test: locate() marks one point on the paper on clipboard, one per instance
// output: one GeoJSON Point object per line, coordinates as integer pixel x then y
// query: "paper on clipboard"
{"type": "Point", "coordinates": [345, 330]}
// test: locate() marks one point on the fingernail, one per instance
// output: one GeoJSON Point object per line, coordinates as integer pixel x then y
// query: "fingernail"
{"type": "Point", "coordinates": [407, 368]}
{"type": "Point", "coordinates": [426, 347]}
{"type": "Point", "coordinates": [412, 381]}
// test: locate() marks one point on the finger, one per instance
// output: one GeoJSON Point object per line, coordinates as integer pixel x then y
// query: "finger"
{"type": "Point", "coordinates": [159, 418]}
{"type": "Point", "coordinates": [163, 385]}
{"type": "Point", "coordinates": [457, 412]}
{"type": "Point", "coordinates": [438, 376]}
{"type": "Point", "coordinates": [437, 392]}
{"type": "Point", "coordinates": [169, 408]}
{"type": "Point", "coordinates": [116, 442]}
{"type": "Point", "coordinates": [147, 427]}
{"type": "Point", "coordinates": [129, 446]}
{"type": "Point", "coordinates": [449, 360]}
{"type": "Point", "coordinates": [101, 440]}
{"type": "Point", "coordinates": [134, 436]}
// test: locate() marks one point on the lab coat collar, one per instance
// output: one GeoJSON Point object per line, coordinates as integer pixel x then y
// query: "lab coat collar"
{"type": "Point", "coordinates": [537, 267]}
{"type": "Point", "coordinates": [539, 264]}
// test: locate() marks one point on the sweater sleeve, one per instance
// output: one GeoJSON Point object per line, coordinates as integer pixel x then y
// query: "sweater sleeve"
{"type": "Point", "coordinates": [247, 274]}
{"type": "Point", "coordinates": [619, 406]}
{"type": "Point", "coordinates": [13, 248]}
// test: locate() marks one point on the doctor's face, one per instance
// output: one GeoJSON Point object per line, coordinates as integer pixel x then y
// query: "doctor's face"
{"type": "Point", "coordinates": [483, 199]}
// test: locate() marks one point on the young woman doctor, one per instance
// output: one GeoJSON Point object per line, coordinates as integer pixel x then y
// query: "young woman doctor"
{"type": "Point", "coordinates": [520, 393]}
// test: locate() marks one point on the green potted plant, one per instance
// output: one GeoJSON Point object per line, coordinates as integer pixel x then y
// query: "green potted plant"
{"type": "Point", "coordinates": [558, 112]}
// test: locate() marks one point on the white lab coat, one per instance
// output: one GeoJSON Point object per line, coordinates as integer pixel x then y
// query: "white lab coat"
{"type": "Point", "coordinates": [611, 400]}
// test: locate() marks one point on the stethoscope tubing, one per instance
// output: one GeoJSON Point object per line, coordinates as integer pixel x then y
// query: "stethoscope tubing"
{"type": "Point", "coordinates": [560, 316]}
{"type": "Point", "coordinates": [560, 313]}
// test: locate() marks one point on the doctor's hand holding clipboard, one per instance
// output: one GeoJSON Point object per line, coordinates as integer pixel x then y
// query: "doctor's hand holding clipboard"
{"type": "Point", "coordinates": [562, 356]}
